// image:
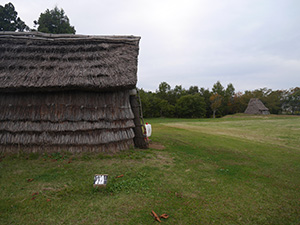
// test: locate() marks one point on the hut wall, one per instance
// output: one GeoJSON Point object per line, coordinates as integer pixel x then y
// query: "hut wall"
{"type": "Point", "coordinates": [69, 120]}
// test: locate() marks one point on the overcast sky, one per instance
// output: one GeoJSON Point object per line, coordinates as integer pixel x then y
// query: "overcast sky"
{"type": "Point", "coordinates": [250, 43]}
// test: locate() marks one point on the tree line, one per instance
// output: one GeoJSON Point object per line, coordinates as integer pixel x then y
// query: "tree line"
{"type": "Point", "coordinates": [51, 21]}
{"type": "Point", "coordinates": [198, 102]}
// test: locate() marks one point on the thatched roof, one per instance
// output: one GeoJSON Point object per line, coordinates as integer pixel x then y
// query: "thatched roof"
{"type": "Point", "coordinates": [35, 61]}
{"type": "Point", "coordinates": [255, 106]}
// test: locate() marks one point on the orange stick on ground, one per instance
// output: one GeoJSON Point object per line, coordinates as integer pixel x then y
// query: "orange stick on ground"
{"type": "Point", "coordinates": [156, 216]}
{"type": "Point", "coordinates": [164, 216]}
{"type": "Point", "coordinates": [120, 176]}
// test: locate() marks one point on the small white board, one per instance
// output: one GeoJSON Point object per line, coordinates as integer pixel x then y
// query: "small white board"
{"type": "Point", "coordinates": [100, 180]}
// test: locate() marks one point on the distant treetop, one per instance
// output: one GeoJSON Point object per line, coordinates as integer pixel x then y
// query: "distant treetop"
{"type": "Point", "coordinates": [54, 21]}
{"type": "Point", "coordinates": [9, 20]}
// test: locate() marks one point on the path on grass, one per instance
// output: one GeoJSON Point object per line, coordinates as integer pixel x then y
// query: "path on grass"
{"type": "Point", "coordinates": [281, 132]}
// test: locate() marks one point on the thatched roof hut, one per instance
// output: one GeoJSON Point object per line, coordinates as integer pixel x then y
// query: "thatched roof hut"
{"type": "Point", "coordinates": [255, 106]}
{"type": "Point", "coordinates": [67, 92]}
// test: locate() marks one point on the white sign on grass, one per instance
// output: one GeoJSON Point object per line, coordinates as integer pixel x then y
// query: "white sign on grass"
{"type": "Point", "coordinates": [100, 180]}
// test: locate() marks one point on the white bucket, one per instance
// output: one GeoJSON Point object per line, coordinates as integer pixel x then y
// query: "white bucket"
{"type": "Point", "coordinates": [148, 129]}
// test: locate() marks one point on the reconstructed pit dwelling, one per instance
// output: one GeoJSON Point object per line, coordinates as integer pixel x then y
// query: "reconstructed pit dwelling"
{"type": "Point", "coordinates": [255, 106]}
{"type": "Point", "coordinates": [68, 92]}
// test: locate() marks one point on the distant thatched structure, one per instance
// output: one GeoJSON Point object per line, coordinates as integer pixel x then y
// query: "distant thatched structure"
{"type": "Point", "coordinates": [255, 106]}
{"type": "Point", "coordinates": [68, 92]}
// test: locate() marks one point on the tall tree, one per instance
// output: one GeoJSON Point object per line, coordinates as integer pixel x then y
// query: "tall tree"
{"type": "Point", "coordinates": [239, 103]}
{"type": "Point", "coordinates": [216, 102]}
{"type": "Point", "coordinates": [163, 90]}
{"type": "Point", "coordinates": [228, 99]}
{"type": "Point", "coordinates": [274, 101]}
{"type": "Point", "coordinates": [218, 89]}
{"type": "Point", "coordinates": [9, 20]}
{"type": "Point", "coordinates": [55, 22]}
{"type": "Point", "coordinates": [193, 90]}
{"type": "Point", "coordinates": [291, 103]}
{"type": "Point", "coordinates": [205, 93]}
{"type": "Point", "coordinates": [175, 94]}
{"type": "Point", "coordinates": [218, 96]}
{"type": "Point", "coordinates": [229, 92]}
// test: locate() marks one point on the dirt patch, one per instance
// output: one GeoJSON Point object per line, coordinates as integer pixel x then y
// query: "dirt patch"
{"type": "Point", "coordinates": [157, 146]}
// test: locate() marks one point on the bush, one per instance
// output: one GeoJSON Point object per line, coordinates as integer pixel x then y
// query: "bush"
{"type": "Point", "coordinates": [191, 106]}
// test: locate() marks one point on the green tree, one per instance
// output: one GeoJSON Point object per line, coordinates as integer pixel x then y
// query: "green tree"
{"type": "Point", "coordinates": [55, 22]}
{"type": "Point", "coordinates": [205, 93]}
{"type": "Point", "coordinates": [230, 91]}
{"type": "Point", "coordinates": [274, 101]}
{"type": "Point", "coordinates": [150, 104]}
{"type": "Point", "coordinates": [216, 102]}
{"type": "Point", "coordinates": [218, 89]}
{"type": "Point", "coordinates": [175, 94]}
{"type": "Point", "coordinates": [166, 109]}
{"type": "Point", "coordinates": [291, 104]}
{"type": "Point", "coordinates": [163, 90]}
{"type": "Point", "coordinates": [9, 20]}
{"type": "Point", "coordinates": [239, 104]}
{"type": "Point", "coordinates": [193, 90]}
{"type": "Point", "coordinates": [153, 106]}
{"type": "Point", "coordinates": [164, 87]}
{"type": "Point", "coordinates": [228, 99]}
{"type": "Point", "coordinates": [219, 92]}
{"type": "Point", "coordinates": [191, 106]}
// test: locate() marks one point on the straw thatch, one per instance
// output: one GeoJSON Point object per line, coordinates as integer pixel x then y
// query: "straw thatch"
{"type": "Point", "coordinates": [35, 61]}
{"type": "Point", "coordinates": [66, 92]}
{"type": "Point", "coordinates": [255, 106]}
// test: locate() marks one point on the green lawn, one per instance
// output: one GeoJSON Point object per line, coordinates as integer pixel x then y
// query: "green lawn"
{"type": "Point", "coordinates": [235, 170]}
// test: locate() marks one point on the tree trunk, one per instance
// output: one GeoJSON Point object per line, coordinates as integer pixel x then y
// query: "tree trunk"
{"type": "Point", "coordinates": [140, 139]}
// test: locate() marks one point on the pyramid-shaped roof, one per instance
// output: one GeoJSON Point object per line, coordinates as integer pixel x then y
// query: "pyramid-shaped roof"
{"type": "Point", "coordinates": [255, 106]}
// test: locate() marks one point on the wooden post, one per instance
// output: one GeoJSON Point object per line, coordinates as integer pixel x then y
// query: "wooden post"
{"type": "Point", "coordinates": [140, 139]}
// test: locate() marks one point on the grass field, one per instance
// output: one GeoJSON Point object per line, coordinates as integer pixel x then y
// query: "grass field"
{"type": "Point", "coordinates": [235, 170]}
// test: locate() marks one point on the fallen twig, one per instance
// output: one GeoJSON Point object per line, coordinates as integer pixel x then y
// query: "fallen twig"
{"type": "Point", "coordinates": [155, 216]}
{"type": "Point", "coordinates": [164, 216]}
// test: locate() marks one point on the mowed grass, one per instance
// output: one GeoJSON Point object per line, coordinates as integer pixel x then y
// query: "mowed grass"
{"type": "Point", "coordinates": [234, 170]}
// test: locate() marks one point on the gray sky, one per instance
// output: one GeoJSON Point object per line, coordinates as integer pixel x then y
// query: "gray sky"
{"type": "Point", "coordinates": [249, 43]}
